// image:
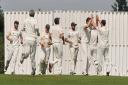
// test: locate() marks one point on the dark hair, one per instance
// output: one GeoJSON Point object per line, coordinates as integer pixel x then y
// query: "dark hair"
{"type": "Point", "coordinates": [73, 24]}
{"type": "Point", "coordinates": [31, 13]}
{"type": "Point", "coordinates": [47, 26]}
{"type": "Point", "coordinates": [103, 22]}
{"type": "Point", "coordinates": [88, 19]}
{"type": "Point", "coordinates": [16, 22]}
{"type": "Point", "coordinates": [56, 20]}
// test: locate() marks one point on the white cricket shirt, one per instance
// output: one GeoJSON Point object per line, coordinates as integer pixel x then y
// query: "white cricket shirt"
{"type": "Point", "coordinates": [30, 26]}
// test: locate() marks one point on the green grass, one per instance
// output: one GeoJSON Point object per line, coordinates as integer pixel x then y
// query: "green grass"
{"type": "Point", "coordinates": [62, 80]}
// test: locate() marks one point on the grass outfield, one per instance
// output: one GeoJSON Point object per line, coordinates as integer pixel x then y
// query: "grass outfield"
{"type": "Point", "coordinates": [62, 80]}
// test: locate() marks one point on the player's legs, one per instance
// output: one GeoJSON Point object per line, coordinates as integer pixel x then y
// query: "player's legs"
{"type": "Point", "coordinates": [100, 60]}
{"type": "Point", "coordinates": [57, 52]}
{"type": "Point", "coordinates": [25, 51]}
{"type": "Point", "coordinates": [44, 62]}
{"type": "Point", "coordinates": [75, 57]}
{"type": "Point", "coordinates": [74, 53]}
{"type": "Point", "coordinates": [84, 48]}
{"type": "Point", "coordinates": [14, 59]}
{"type": "Point", "coordinates": [92, 60]}
{"type": "Point", "coordinates": [32, 56]}
{"type": "Point", "coordinates": [107, 60]}
{"type": "Point", "coordinates": [48, 51]}
{"type": "Point", "coordinates": [9, 57]}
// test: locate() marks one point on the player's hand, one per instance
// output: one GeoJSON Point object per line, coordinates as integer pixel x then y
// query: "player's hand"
{"type": "Point", "coordinates": [21, 42]}
{"type": "Point", "coordinates": [97, 17]}
{"type": "Point", "coordinates": [49, 43]}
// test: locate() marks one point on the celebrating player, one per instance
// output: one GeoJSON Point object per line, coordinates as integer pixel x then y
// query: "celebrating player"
{"type": "Point", "coordinates": [45, 46]}
{"type": "Point", "coordinates": [31, 30]}
{"type": "Point", "coordinates": [57, 36]}
{"type": "Point", "coordinates": [85, 38]}
{"type": "Point", "coordinates": [103, 47]}
{"type": "Point", "coordinates": [13, 37]}
{"type": "Point", "coordinates": [73, 39]}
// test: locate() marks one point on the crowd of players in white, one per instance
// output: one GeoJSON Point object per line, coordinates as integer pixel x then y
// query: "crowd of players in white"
{"type": "Point", "coordinates": [93, 36]}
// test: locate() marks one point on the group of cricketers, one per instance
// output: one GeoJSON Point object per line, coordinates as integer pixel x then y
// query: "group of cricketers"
{"type": "Point", "coordinates": [93, 38]}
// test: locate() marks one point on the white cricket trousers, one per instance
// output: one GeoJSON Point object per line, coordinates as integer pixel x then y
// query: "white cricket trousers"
{"type": "Point", "coordinates": [103, 59]}
{"type": "Point", "coordinates": [12, 57]}
{"type": "Point", "coordinates": [57, 57]}
{"type": "Point", "coordinates": [46, 52]}
{"type": "Point", "coordinates": [74, 54]}
{"type": "Point", "coordinates": [85, 55]}
{"type": "Point", "coordinates": [92, 60]}
{"type": "Point", "coordinates": [29, 50]}
{"type": "Point", "coordinates": [44, 59]}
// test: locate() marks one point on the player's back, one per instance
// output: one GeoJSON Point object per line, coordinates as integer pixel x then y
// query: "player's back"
{"type": "Point", "coordinates": [30, 26]}
{"type": "Point", "coordinates": [103, 35]}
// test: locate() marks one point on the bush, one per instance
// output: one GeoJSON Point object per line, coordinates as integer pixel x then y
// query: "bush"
{"type": "Point", "coordinates": [1, 53]}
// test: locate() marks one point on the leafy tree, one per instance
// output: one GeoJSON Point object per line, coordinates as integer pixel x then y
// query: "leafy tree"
{"type": "Point", "coordinates": [1, 41]}
{"type": "Point", "coordinates": [120, 5]}
{"type": "Point", "coordinates": [1, 20]}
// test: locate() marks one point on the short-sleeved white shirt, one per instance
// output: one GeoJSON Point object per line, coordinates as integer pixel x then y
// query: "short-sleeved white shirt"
{"type": "Point", "coordinates": [73, 36]}
{"type": "Point", "coordinates": [55, 33]}
{"type": "Point", "coordinates": [103, 35]}
{"type": "Point", "coordinates": [15, 37]}
{"type": "Point", "coordinates": [30, 26]}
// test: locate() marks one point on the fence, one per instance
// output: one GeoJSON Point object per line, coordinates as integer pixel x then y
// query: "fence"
{"type": "Point", "coordinates": [117, 22]}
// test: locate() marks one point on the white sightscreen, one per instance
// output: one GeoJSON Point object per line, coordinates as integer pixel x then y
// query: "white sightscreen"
{"type": "Point", "coordinates": [117, 22]}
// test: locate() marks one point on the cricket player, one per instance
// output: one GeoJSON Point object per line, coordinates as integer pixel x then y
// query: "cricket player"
{"type": "Point", "coordinates": [73, 39]}
{"type": "Point", "coordinates": [31, 31]}
{"type": "Point", "coordinates": [103, 47]}
{"type": "Point", "coordinates": [85, 38]}
{"type": "Point", "coordinates": [57, 35]}
{"type": "Point", "coordinates": [93, 49]}
{"type": "Point", "coordinates": [15, 38]}
{"type": "Point", "coordinates": [45, 46]}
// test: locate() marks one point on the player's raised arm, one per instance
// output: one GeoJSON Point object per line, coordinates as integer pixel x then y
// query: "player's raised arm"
{"type": "Point", "coordinates": [98, 21]}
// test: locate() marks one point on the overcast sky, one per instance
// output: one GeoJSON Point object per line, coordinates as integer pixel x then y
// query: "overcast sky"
{"type": "Point", "coordinates": [57, 4]}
